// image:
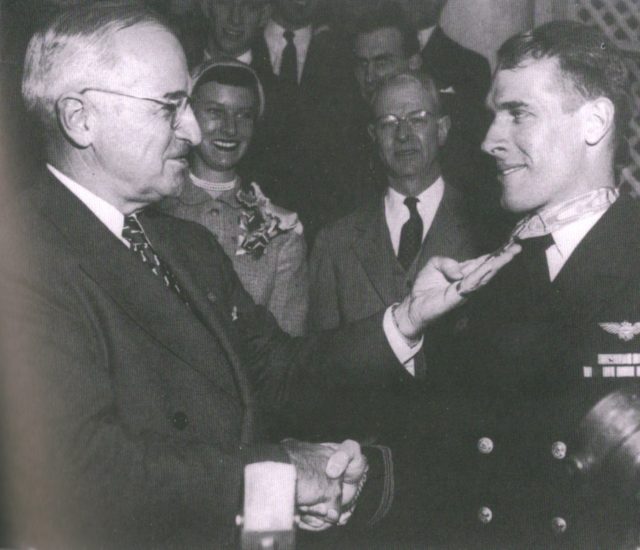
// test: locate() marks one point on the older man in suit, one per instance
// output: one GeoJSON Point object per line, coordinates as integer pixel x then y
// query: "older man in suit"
{"type": "Point", "coordinates": [496, 463]}
{"type": "Point", "coordinates": [136, 369]}
{"type": "Point", "coordinates": [125, 357]}
{"type": "Point", "coordinates": [368, 260]}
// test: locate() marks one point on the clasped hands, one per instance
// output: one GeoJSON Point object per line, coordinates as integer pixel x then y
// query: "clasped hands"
{"type": "Point", "coordinates": [329, 479]}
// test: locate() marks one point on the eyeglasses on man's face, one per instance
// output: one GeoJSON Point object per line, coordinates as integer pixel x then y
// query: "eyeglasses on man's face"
{"type": "Point", "coordinates": [174, 108]}
{"type": "Point", "coordinates": [417, 120]}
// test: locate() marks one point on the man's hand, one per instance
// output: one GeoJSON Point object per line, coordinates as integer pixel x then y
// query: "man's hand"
{"type": "Point", "coordinates": [443, 284]}
{"type": "Point", "coordinates": [329, 476]}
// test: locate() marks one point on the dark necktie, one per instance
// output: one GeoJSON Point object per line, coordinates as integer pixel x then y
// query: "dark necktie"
{"type": "Point", "coordinates": [141, 247]}
{"type": "Point", "coordinates": [410, 235]}
{"type": "Point", "coordinates": [534, 259]}
{"type": "Point", "coordinates": [289, 63]}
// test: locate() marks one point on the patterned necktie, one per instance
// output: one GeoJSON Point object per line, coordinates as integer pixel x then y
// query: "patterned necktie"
{"type": "Point", "coordinates": [534, 258]}
{"type": "Point", "coordinates": [289, 63]}
{"type": "Point", "coordinates": [411, 235]}
{"type": "Point", "coordinates": [141, 247]}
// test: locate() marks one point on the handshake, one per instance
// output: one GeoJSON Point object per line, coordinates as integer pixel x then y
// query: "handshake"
{"type": "Point", "coordinates": [330, 477]}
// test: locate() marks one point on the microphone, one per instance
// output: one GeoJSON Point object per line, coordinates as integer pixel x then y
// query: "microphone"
{"type": "Point", "coordinates": [269, 503]}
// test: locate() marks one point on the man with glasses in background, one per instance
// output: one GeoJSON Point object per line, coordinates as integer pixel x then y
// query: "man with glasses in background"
{"type": "Point", "coordinates": [369, 259]}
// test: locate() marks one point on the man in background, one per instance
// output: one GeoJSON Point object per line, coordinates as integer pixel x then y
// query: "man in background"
{"type": "Point", "coordinates": [232, 26]}
{"type": "Point", "coordinates": [366, 261]}
{"type": "Point", "coordinates": [304, 66]}
{"type": "Point", "coordinates": [496, 463]}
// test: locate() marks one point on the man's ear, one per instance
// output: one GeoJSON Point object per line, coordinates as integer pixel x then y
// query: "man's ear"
{"type": "Point", "coordinates": [599, 116]}
{"type": "Point", "coordinates": [371, 130]}
{"type": "Point", "coordinates": [444, 124]}
{"type": "Point", "coordinates": [415, 62]}
{"type": "Point", "coordinates": [74, 119]}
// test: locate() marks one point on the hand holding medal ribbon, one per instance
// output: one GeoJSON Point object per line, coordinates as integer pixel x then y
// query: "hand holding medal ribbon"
{"type": "Point", "coordinates": [443, 284]}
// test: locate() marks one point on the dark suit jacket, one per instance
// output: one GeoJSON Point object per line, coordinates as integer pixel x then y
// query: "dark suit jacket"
{"type": "Point", "coordinates": [292, 125]}
{"type": "Point", "coordinates": [131, 416]}
{"type": "Point", "coordinates": [513, 372]}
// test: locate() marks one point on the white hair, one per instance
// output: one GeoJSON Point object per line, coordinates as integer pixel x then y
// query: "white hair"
{"type": "Point", "coordinates": [74, 52]}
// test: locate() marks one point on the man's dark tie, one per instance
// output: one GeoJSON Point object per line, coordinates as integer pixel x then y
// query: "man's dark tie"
{"type": "Point", "coordinates": [534, 258]}
{"type": "Point", "coordinates": [141, 247]}
{"type": "Point", "coordinates": [289, 63]}
{"type": "Point", "coordinates": [411, 235]}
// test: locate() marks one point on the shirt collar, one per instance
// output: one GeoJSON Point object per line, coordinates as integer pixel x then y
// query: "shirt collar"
{"type": "Point", "coordinates": [108, 214]}
{"type": "Point", "coordinates": [246, 57]}
{"type": "Point", "coordinates": [568, 237]}
{"type": "Point", "coordinates": [551, 219]}
{"type": "Point", "coordinates": [434, 192]}
{"type": "Point", "coordinates": [274, 35]}
{"type": "Point", "coordinates": [424, 35]}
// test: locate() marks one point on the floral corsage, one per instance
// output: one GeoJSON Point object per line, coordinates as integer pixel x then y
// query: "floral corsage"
{"type": "Point", "coordinates": [261, 221]}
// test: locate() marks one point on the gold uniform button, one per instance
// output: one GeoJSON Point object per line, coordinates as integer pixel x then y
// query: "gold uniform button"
{"type": "Point", "coordinates": [485, 515]}
{"type": "Point", "coordinates": [485, 445]}
{"type": "Point", "coordinates": [558, 525]}
{"type": "Point", "coordinates": [559, 450]}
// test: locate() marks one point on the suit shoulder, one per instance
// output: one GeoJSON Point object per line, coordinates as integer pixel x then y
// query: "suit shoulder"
{"type": "Point", "coordinates": [341, 232]}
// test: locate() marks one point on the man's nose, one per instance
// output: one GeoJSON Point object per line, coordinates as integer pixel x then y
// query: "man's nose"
{"type": "Point", "coordinates": [403, 130]}
{"type": "Point", "coordinates": [494, 142]}
{"type": "Point", "coordinates": [188, 128]}
{"type": "Point", "coordinates": [370, 74]}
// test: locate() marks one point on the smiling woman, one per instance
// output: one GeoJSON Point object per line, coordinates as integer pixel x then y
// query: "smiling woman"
{"type": "Point", "coordinates": [264, 241]}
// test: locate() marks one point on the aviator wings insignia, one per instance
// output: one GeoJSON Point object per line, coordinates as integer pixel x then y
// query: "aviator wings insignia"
{"type": "Point", "coordinates": [625, 331]}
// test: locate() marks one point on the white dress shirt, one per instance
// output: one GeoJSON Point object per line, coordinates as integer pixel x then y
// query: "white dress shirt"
{"type": "Point", "coordinates": [274, 37]}
{"type": "Point", "coordinates": [397, 213]}
{"type": "Point", "coordinates": [424, 35]}
{"type": "Point", "coordinates": [113, 219]}
{"type": "Point", "coordinates": [566, 239]}
{"type": "Point", "coordinates": [108, 214]}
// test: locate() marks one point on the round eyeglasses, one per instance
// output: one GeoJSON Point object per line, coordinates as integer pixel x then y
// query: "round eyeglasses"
{"type": "Point", "coordinates": [417, 120]}
{"type": "Point", "coordinates": [174, 108]}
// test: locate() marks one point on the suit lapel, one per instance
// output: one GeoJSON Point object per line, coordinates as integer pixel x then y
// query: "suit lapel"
{"type": "Point", "coordinates": [130, 284]}
{"type": "Point", "coordinates": [445, 232]}
{"type": "Point", "coordinates": [261, 61]}
{"type": "Point", "coordinates": [372, 246]}
{"type": "Point", "coordinates": [197, 284]}
{"type": "Point", "coordinates": [310, 64]}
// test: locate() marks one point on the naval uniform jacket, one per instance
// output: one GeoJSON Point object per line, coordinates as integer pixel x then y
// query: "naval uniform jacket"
{"type": "Point", "coordinates": [509, 389]}
{"type": "Point", "coordinates": [130, 416]}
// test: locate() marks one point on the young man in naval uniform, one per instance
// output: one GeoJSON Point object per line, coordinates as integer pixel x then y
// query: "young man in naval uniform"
{"type": "Point", "coordinates": [532, 352]}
